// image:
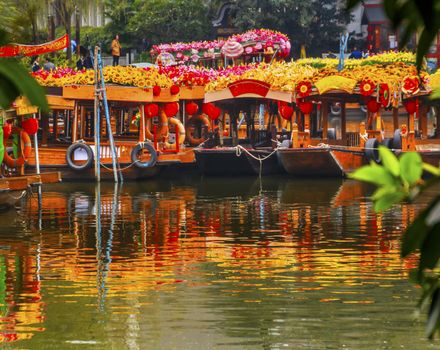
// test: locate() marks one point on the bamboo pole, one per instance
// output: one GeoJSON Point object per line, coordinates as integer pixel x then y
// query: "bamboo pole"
{"type": "Point", "coordinates": [107, 117]}
{"type": "Point", "coordinates": [37, 156]}
{"type": "Point", "coordinates": [97, 119]}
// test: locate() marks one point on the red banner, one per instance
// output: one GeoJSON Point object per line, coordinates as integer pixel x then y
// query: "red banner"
{"type": "Point", "coordinates": [249, 86]}
{"type": "Point", "coordinates": [34, 50]}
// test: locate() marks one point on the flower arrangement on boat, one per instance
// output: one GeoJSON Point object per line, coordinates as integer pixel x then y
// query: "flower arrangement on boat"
{"type": "Point", "coordinates": [301, 78]}
{"type": "Point", "coordinates": [130, 76]}
{"type": "Point", "coordinates": [252, 42]}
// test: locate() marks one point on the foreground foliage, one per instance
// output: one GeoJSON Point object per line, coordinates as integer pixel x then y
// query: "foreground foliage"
{"type": "Point", "coordinates": [15, 81]}
{"type": "Point", "coordinates": [398, 180]}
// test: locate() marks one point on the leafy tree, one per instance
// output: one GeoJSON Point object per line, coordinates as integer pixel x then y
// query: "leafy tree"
{"type": "Point", "coordinates": [19, 18]}
{"type": "Point", "coordinates": [170, 20]}
{"type": "Point", "coordinates": [317, 24]}
{"type": "Point", "coordinates": [120, 14]}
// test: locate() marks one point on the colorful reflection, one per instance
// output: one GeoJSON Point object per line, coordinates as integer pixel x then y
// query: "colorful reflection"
{"type": "Point", "coordinates": [111, 253]}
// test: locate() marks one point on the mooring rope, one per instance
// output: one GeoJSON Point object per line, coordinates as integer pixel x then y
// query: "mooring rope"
{"type": "Point", "coordinates": [239, 150]}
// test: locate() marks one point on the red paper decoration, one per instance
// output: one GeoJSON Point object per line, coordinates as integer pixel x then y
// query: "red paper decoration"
{"type": "Point", "coordinates": [214, 112]}
{"type": "Point", "coordinates": [411, 106]}
{"type": "Point", "coordinates": [156, 90]}
{"type": "Point", "coordinates": [7, 130]}
{"type": "Point", "coordinates": [286, 112]}
{"type": "Point", "coordinates": [192, 108]}
{"type": "Point", "coordinates": [303, 88]}
{"type": "Point", "coordinates": [411, 85]}
{"type": "Point", "coordinates": [373, 106]}
{"type": "Point", "coordinates": [30, 126]}
{"type": "Point", "coordinates": [384, 94]}
{"type": "Point", "coordinates": [171, 109]}
{"type": "Point", "coordinates": [367, 87]}
{"type": "Point", "coordinates": [151, 110]}
{"type": "Point", "coordinates": [305, 107]}
{"type": "Point", "coordinates": [174, 90]}
{"type": "Point", "coordinates": [206, 108]}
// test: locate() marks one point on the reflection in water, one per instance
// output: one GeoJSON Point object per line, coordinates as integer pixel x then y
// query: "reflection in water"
{"type": "Point", "coordinates": [213, 263]}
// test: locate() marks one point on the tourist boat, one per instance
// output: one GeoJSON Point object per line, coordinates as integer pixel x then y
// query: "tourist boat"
{"type": "Point", "coordinates": [249, 147]}
{"type": "Point", "coordinates": [316, 120]}
{"type": "Point", "coordinates": [141, 142]}
{"type": "Point", "coordinates": [16, 147]}
{"type": "Point", "coordinates": [409, 129]}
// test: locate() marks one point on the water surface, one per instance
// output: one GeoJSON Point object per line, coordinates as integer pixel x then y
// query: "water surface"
{"type": "Point", "coordinates": [207, 264]}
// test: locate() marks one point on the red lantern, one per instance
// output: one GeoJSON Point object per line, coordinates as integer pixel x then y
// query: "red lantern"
{"type": "Point", "coordinates": [192, 108]}
{"type": "Point", "coordinates": [174, 90]}
{"type": "Point", "coordinates": [151, 110]}
{"type": "Point", "coordinates": [286, 112]}
{"type": "Point", "coordinates": [373, 106]}
{"type": "Point", "coordinates": [156, 90]}
{"type": "Point", "coordinates": [207, 108]}
{"type": "Point", "coordinates": [30, 126]}
{"type": "Point", "coordinates": [7, 130]}
{"type": "Point", "coordinates": [214, 112]}
{"type": "Point", "coordinates": [411, 106]}
{"type": "Point", "coordinates": [171, 109]}
{"type": "Point", "coordinates": [305, 107]}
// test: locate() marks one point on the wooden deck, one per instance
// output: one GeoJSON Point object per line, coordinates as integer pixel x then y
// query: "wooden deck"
{"type": "Point", "coordinates": [23, 182]}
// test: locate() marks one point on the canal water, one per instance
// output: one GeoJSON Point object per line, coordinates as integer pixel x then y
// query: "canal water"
{"type": "Point", "coordinates": [207, 264]}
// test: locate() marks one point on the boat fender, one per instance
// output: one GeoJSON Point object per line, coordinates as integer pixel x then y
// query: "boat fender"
{"type": "Point", "coordinates": [371, 150]}
{"type": "Point", "coordinates": [71, 151]}
{"type": "Point", "coordinates": [397, 139]}
{"type": "Point", "coordinates": [335, 109]}
{"type": "Point", "coordinates": [26, 148]}
{"type": "Point", "coordinates": [331, 134]}
{"type": "Point", "coordinates": [141, 147]}
{"type": "Point", "coordinates": [388, 142]}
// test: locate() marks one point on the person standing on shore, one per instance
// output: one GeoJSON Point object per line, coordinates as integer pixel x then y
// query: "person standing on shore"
{"type": "Point", "coordinates": [116, 50]}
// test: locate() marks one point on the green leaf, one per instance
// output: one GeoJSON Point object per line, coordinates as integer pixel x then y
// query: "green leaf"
{"type": "Point", "coordinates": [415, 234]}
{"type": "Point", "coordinates": [434, 314]}
{"type": "Point", "coordinates": [382, 191]}
{"type": "Point", "coordinates": [387, 200]}
{"type": "Point", "coordinates": [375, 174]}
{"type": "Point", "coordinates": [411, 167]}
{"type": "Point", "coordinates": [389, 160]}
{"type": "Point", "coordinates": [431, 169]}
{"type": "Point", "coordinates": [18, 79]}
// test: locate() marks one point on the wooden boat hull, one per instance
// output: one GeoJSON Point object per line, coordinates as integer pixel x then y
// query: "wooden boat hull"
{"type": "Point", "coordinates": [321, 162]}
{"type": "Point", "coordinates": [226, 161]}
{"type": "Point", "coordinates": [132, 173]}
{"type": "Point", "coordinates": [54, 159]}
